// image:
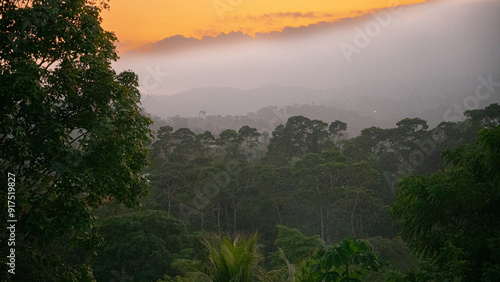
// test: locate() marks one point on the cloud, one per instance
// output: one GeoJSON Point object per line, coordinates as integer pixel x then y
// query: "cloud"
{"type": "Point", "coordinates": [212, 31]}
{"type": "Point", "coordinates": [272, 17]}
{"type": "Point", "coordinates": [269, 19]}
{"type": "Point", "coordinates": [211, 36]}
{"type": "Point", "coordinates": [427, 50]}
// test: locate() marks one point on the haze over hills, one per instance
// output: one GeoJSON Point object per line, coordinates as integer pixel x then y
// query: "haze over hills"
{"type": "Point", "coordinates": [214, 100]}
{"type": "Point", "coordinates": [394, 64]}
{"type": "Point", "coordinates": [266, 107]}
{"type": "Point", "coordinates": [455, 41]}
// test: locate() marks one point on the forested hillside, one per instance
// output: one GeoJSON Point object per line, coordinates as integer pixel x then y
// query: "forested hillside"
{"type": "Point", "coordinates": [306, 187]}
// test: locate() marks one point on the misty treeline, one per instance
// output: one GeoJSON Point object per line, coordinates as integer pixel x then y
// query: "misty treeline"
{"type": "Point", "coordinates": [304, 187]}
{"type": "Point", "coordinates": [221, 183]}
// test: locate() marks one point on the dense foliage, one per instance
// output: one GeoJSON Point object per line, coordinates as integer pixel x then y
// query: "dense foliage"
{"type": "Point", "coordinates": [347, 261]}
{"type": "Point", "coordinates": [71, 129]}
{"type": "Point", "coordinates": [140, 245]}
{"type": "Point", "coordinates": [451, 217]}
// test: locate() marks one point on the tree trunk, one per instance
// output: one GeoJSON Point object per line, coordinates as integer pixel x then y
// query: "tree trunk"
{"type": "Point", "coordinates": [227, 220]}
{"type": "Point", "coordinates": [322, 223]}
{"type": "Point", "coordinates": [169, 202]}
{"type": "Point", "coordinates": [352, 214]}
{"type": "Point", "coordinates": [219, 228]}
{"type": "Point", "coordinates": [361, 225]}
{"type": "Point", "coordinates": [234, 219]}
{"type": "Point", "coordinates": [327, 229]}
{"type": "Point", "coordinates": [202, 220]}
{"type": "Point", "coordinates": [278, 210]}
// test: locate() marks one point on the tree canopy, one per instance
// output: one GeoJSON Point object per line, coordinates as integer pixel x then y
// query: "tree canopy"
{"type": "Point", "coordinates": [451, 217]}
{"type": "Point", "coordinates": [72, 132]}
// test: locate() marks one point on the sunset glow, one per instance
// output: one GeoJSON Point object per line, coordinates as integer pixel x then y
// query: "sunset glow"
{"type": "Point", "coordinates": [140, 22]}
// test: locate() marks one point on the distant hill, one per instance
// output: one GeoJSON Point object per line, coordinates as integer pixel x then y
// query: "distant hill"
{"type": "Point", "coordinates": [230, 101]}
{"type": "Point", "coordinates": [379, 104]}
{"type": "Point", "coordinates": [266, 119]}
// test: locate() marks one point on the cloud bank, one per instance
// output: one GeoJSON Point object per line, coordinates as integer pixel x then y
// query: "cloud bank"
{"type": "Point", "coordinates": [440, 46]}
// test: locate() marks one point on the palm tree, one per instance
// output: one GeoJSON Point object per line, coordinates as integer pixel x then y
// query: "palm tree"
{"type": "Point", "coordinates": [230, 261]}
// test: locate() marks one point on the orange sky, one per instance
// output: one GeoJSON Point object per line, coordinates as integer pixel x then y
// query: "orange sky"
{"type": "Point", "coordinates": [140, 22]}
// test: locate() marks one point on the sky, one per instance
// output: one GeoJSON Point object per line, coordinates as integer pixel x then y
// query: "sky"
{"type": "Point", "coordinates": [434, 54]}
{"type": "Point", "coordinates": [140, 22]}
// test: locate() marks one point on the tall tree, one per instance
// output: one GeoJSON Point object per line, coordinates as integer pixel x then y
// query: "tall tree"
{"type": "Point", "coordinates": [298, 136]}
{"type": "Point", "coordinates": [249, 138]}
{"type": "Point", "coordinates": [451, 217]}
{"type": "Point", "coordinates": [72, 132]}
{"type": "Point", "coordinates": [487, 118]}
